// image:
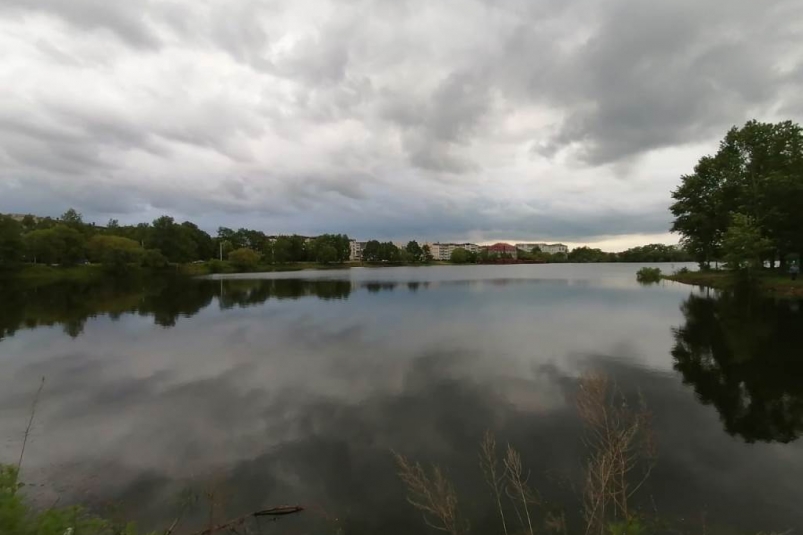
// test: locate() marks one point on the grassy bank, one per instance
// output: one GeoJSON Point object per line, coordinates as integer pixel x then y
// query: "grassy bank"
{"type": "Point", "coordinates": [41, 274]}
{"type": "Point", "coordinates": [770, 282]}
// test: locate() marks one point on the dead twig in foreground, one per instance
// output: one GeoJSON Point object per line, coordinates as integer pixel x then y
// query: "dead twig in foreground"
{"type": "Point", "coordinates": [30, 423]}
{"type": "Point", "coordinates": [275, 512]}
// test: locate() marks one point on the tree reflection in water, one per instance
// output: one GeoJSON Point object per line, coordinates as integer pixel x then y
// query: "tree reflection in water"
{"type": "Point", "coordinates": [743, 354]}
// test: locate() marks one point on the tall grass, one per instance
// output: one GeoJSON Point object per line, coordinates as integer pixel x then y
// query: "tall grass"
{"type": "Point", "coordinates": [619, 440]}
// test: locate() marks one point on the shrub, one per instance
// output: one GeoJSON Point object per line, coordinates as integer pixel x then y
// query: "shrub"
{"type": "Point", "coordinates": [648, 275]}
{"type": "Point", "coordinates": [244, 258]}
{"type": "Point", "coordinates": [219, 266]}
{"type": "Point", "coordinates": [17, 518]}
{"type": "Point", "coordinates": [153, 258]}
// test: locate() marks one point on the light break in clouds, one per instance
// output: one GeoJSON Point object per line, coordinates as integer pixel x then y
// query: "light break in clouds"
{"type": "Point", "coordinates": [566, 120]}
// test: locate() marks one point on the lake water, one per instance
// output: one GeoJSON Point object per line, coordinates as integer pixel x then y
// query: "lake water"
{"type": "Point", "coordinates": [295, 387]}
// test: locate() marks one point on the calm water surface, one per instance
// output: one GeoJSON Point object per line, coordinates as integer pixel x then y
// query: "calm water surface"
{"type": "Point", "coordinates": [295, 387]}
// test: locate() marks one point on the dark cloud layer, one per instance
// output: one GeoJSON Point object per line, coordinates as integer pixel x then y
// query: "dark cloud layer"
{"type": "Point", "coordinates": [347, 115]}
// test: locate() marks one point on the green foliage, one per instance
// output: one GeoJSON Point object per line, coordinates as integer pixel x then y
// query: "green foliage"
{"type": "Point", "coordinates": [415, 252]}
{"type": "Point", "coordinates": [291, 249]}
{"type": "Point", "coordinates": [28, 222]}
{"type": "Point", "coordinates": [56, 245]}
{"type": "Point", "coordinates": [632, 526]}
{"type": "Point", "coordinates": [17, 518]}
{"type": "Point", "coordinates": [205, 247]}
{"type": "Point", "coordinates": [427, 253]}
{"type": "Point", "coordinates": [588, 254]}
{"type": "Point", "coordinates": [648, 275]}
{"type": "Point", "coordinates": [743, 245]}
{"type": "Point", "coordinates": [326, 254]}
{"type": "Point", "coordinates": [72, 218]}
{"type": "Point", "coordinates": [114, 252]}
{"type": "Point", "coordinates": [154, 259]}
{"type": "Point", "coordinates": [219, 266]}
{"type": "Point", "coordinates": [757, 172]}
{"type": "Point", "coordinates": [329, 248]}
{"type": "Point", "coordinates": [173, 240]}
{"type": "Point", "coordinates": [11, 244]}
{"type": "Point", "coordinates": [244, 258]}
{"type": "Point", "coordinates": [460, 256]}
{"type": "Point", "coordinates": [375, 251]}
{"type": "Point", "coordinates": [655, 252]}
{"type": "Point", "coordinates": [370, 253]}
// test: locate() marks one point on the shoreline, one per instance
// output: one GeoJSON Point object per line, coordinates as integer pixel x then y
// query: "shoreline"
{"type": "Point", "coordinates": [771, 283]}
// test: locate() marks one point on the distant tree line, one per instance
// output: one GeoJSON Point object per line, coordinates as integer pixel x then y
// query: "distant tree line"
{"type": "Point", "coordinates": [68, 241]}
{"type": "Point", "coordinates": [743, 205]}
{"type": "Point", "coordinates": [412, 253]}
{"type": "Point", "coordinates": [655, 252]}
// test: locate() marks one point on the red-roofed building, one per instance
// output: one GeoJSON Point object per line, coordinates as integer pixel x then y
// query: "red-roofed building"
{"type": "Point", "coordinates": [502, 248]}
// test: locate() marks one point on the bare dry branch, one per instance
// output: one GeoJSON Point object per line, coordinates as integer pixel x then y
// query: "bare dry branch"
{"type": "Point", "coordinates": [620, 439]}
{"type": "Point", "coordinates": [30, 423]}
{"type": "Point", "coordinates": [276, 512]}
{"type": "Point", "coordinates": [518, 489]}
{"type": "Point", "coordinates": [432, 494]}
{"type": "Point", "coordinates": [490, 470]}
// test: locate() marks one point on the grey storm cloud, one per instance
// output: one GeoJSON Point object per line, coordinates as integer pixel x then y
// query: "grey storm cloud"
{"type": "Point", "coordinates": [465, 118]}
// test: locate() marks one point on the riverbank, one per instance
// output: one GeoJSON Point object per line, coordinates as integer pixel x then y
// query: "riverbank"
{"type": "Point", "coordinates": [771, 283]}
{"type": "Point", "coordinates": [40, 275]}
{"type": "Point", "coordinates": [215, 267]}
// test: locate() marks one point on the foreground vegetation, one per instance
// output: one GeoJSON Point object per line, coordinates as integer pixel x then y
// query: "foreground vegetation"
{"type": "Point", "coordinates": [621, 453]}
{"type": "Point", "coordinates": [769, 282]}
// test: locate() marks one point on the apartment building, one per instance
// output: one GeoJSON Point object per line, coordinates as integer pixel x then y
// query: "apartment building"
{"type": "Point", "coordinates": [550, 248]}
{"type": "Point", "coordinates": [355, 250]}
{"type": "Point", "coordinates": [500, 249]}
{"type": "Point", "coordinates": [443, 251]}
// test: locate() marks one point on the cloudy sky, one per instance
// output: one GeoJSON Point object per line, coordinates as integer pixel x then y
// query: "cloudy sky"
{"type": "Point", "coordinates": [564, 120]}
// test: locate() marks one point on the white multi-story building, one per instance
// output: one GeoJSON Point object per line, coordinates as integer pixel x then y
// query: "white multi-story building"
{"type": "Point", "coordinates": [355, 250]}
{"type": "Point", "coordinates": [551, 248]}
{"type": "Point", "coordinates": [443, 251]}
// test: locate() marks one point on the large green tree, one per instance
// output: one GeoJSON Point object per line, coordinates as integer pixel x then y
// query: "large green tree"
{"type": "Point", "coordinates": [743, 245]}
{"type": "Point", "coordinates": [415, 252]}
{"type": "Point", "coordinates": [11, 244]}
{"type": "Point", "coordinates": [114, 252]}
{"type": "Point", "coordinates": [328, 248]}
{"type": "Point", "coordinates": [174, 241]}
{"type": "Point", "coordinates": [757, 172]}
{"type": "Point", "coordinates": [57, 245]}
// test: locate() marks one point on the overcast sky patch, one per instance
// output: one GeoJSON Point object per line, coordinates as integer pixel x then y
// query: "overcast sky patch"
{"type": "Point", "coordinates": [464, 119]}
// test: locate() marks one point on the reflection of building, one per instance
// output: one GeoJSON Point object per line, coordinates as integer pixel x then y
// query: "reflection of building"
{"type": "Point", "coordinates": [500, 249]}
{"type": "Point", "coordinates": [443, 251]}
{"type": "Point", "coordinates": [551, 248]}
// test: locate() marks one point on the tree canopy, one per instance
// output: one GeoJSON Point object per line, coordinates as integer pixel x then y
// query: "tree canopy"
{"type": "Point", "coordinates": [757, 173]}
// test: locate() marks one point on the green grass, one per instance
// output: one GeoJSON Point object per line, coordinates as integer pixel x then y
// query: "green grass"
{"type": "Point", "coordinates": [771, 282]}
